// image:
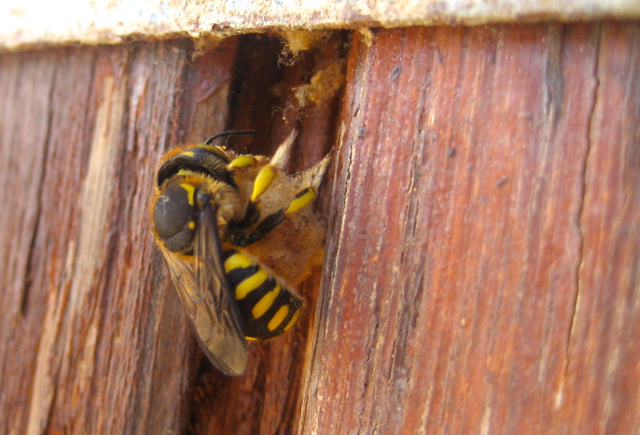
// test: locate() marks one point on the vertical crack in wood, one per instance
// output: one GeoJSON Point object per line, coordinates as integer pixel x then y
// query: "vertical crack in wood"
{"type": "Point", "coordinates": [27, 279]}
{"type": "Point", "coordinates": [580, 218]}
{"type": "Point", "coordinates": [411, 286]}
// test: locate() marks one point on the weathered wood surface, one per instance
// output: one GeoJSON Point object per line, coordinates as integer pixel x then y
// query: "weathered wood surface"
{"type": "Point", "coordinates": [93, 337]}
{"type": "Point", "coordinates": [481, 275]}
{"type": "Point", "coordinates": [483, 248]}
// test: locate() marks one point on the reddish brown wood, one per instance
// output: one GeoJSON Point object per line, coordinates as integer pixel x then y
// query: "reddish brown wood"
{"type": "Point", "coordinates": [27, 86]}
{"type": "Point", "coordinates": [480, 274]}
{"type": "Point", "coordinates": [603, 375]}
{"type": "Point", "coordinates": [101, 344]}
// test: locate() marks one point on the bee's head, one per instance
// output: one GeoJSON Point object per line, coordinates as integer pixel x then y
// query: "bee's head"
{"type": "Point", "coordinates": [175, 214]}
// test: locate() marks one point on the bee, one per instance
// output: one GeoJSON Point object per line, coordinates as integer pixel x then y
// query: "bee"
{"type": "Point", "coordinates": [238, 237]}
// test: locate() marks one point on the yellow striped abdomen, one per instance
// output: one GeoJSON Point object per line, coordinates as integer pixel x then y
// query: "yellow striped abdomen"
{"type": "Point", "coordinates": [266, 307]}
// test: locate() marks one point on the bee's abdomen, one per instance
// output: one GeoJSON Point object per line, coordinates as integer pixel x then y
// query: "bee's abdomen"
{"type": "Point", "coordinates": [266, 307]}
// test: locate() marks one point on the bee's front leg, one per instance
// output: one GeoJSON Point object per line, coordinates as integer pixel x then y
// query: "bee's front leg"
{"type": "Point", "coordinates": [300, 201]}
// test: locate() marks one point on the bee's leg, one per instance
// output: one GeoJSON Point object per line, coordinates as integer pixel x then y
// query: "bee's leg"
{"type": "Point", "coordinates": [242, 162]}
{"type": "Point", "coordinates": [300, 201]}
{"type": "Point", "coordinates": [304, 197]}
{"type": "Point", "coordinates": [262, 182]}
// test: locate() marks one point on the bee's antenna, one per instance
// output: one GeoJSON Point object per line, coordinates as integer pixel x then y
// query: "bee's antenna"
{"type": "Point", "coordinates": [229, 133]}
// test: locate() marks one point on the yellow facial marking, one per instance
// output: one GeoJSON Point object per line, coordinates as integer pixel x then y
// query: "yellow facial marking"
{"type": "Point", "coordinates": [265, 303]}
{"type": "Point", "coordinates": [250, 284]}
{"type": "Point", "coordinates": [263, 180]}
{"type": "Point", "coordinates": [191, 192]}
{"type": "Point", "coordinates": [278, 318]}
{"type": "Point", "coordinates": [242, 162]}
{"type": "Point", "coordinates": [251, 339]}
{"type": "Point", "coordinates": [192, 225]}
{"type": "Point", "coordinates": [185, 172]}
{"type": "Point", "coordinates": [293, 320]}
{"type": "Point", "coordinates": [301, 202]}
{"type": "Point", "coordinates": [235, 261]}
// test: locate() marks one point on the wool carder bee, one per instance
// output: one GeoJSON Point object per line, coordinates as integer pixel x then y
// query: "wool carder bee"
{"type": "Point", "coordinates": [237, 237]}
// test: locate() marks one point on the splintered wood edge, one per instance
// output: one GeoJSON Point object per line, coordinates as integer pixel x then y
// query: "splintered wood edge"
{"type": "Point", "coordinates": [33, 24]}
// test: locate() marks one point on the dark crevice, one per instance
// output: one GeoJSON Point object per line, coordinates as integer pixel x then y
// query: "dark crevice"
{"type": "Point", "coordinates": [28, 278]}
{"type": "Point", "coordinates": [253, 95]}
{"type": "Point", "coordinates": [261, 98]}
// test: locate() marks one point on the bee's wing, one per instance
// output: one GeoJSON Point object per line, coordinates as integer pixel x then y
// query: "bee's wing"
{"type": "Point", "coordinates": [204, 292]}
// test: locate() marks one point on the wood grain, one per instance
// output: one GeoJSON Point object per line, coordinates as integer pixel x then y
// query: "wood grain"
{"type": "Point", "coordinates": [469, 284]}
{"type": "Point", "coordinates": [27, 86]}
{"type": "Point", "coordinates": [603, 376]}
{"type": "Point", "coordinates": [101, 344]}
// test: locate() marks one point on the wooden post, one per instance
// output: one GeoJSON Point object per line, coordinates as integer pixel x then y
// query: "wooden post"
{"type": "Point", "coordinates": [480, 270]}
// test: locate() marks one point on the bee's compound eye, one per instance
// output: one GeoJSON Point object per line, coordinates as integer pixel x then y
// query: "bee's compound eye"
{"type": "Point", "coordinates": [174, 215]}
